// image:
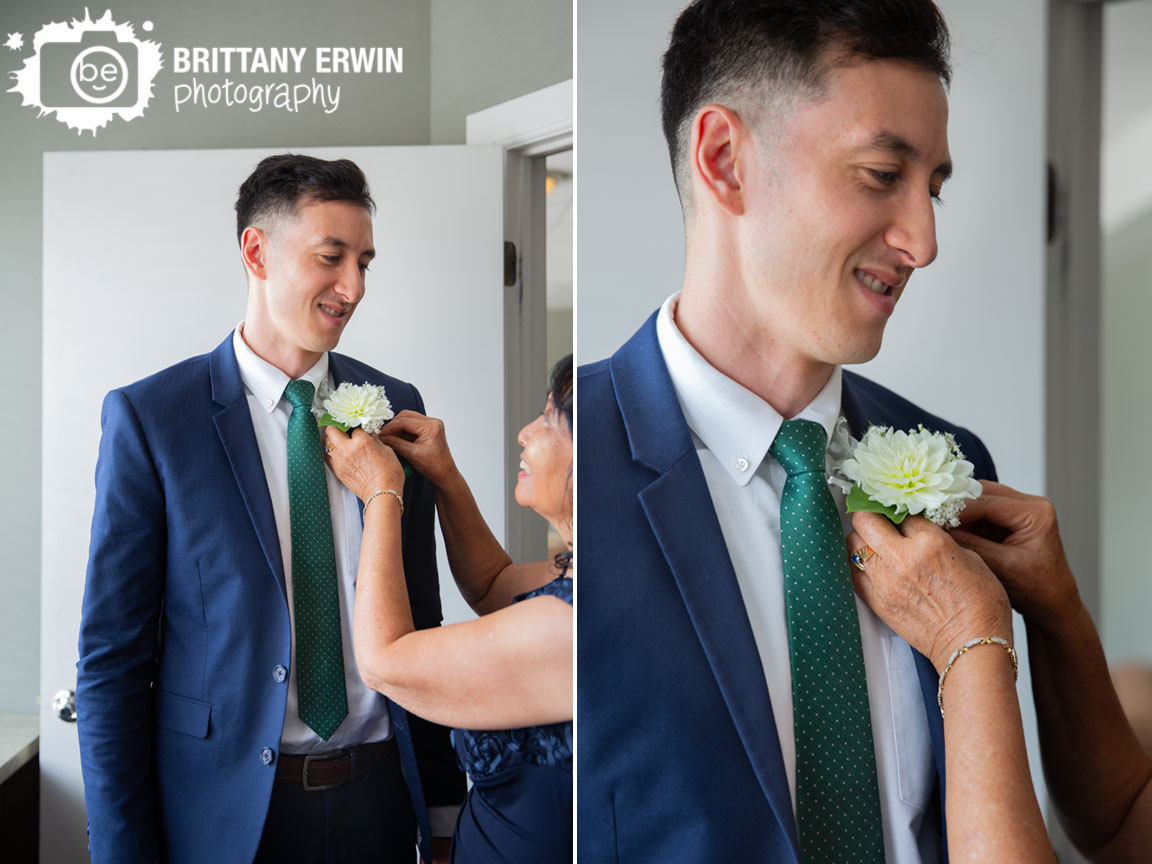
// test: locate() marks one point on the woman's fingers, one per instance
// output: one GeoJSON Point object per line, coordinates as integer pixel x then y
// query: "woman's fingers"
{"type": "Point", "coordinates": [333, 439]}
{"type": "Point", "coordinates": [360, 460]}
{"type": "Point", "coordinates": [406, 422]}
{"type": "Point", "coordinates": [995, 554]}
{"type": "Point", "coordinates": [860, 581]}
{"type": "Point", "coordinates": [1009, 512]}
{"type": "Point", "coordinates": [991, 487]}
{"type": "Point", "coordinates": [913, 525]}
{"type": "Point", "coordinates": [875, 531]}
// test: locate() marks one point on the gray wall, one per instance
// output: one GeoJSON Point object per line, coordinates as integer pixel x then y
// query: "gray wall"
{"type": "Point", "coordinates": [489, 52]}
{"type": "Point", "coordinates": [374, 109]}
{"type": "Point", "coordinates": [1126, 310]}
{"type": "Point", "coordinates": [1126, 590]}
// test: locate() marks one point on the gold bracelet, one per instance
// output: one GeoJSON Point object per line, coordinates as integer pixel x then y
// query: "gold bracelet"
{"type": "Point", "coordinates": [391, 492]}
{"type": "Point", "coordinates": [972, 643]}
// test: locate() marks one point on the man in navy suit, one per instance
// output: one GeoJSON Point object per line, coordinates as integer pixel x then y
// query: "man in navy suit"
{"type": "Point", "coordinates": [192, 742]}
{"type": "Point", "coordinates": [808, 140]}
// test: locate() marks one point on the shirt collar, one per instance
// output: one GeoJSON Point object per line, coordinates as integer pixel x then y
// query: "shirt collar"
{"type": "Point", "coordinates": [265, 381]}
{"type": "Point", "coordinates": [735, 424]}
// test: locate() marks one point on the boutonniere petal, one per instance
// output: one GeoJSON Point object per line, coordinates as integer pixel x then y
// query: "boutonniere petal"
{"type": "Point", "coordinates": [899, 473]}
{"type": "Point", "coordinates": [351, 405]}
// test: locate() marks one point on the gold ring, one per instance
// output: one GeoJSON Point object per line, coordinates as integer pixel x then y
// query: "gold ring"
{"type": "Point", "coordinates": [327, 450]}
{"type": "Point", "coordinates": [861, 555]}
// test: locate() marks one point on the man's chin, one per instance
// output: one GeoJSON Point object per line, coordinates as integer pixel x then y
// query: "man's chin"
{"type": "Point", "coordinates": [328, 340]}
{"type": "Point", "coordinates": [860, 352]}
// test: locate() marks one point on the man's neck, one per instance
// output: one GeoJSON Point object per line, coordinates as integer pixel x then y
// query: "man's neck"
{"type": "Point", "coordinates": [743, 349]}
{"type": "Point", "coordinates": [291, 361]}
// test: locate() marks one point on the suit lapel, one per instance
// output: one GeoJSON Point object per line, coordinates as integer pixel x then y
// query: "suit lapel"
{"type": "Point", "coordinates": [234, 426]}
{"type": "Point", "coordinates": [336, 364]}
{"type": "Point", "coordinates": [339, 372]}
{"type": "Point", "coordinates": [338, 368]}
{"type": "Point", "coordinates": [689, 535]}
{"type": "Point", "coordinates": [859, 411]}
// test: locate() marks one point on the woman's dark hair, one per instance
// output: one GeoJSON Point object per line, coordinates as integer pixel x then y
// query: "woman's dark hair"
{"type": "Point", "coordinates": [560, 389]}
{"type": "Point", "coordinates": [280, 184]}
{"type": "Point", "coordinates": [560, 394]}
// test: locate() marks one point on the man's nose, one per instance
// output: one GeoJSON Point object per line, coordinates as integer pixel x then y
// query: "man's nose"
{"type": "Point", "coordinates": [913, 232]}
{"type": "Point", "coordinates": [350, 287]}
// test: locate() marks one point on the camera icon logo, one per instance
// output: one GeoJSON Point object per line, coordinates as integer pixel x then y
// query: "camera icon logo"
{"type": "Point", "coordinates": [99, 70]}
{"type": "Point", "coordinates": [89, 72]}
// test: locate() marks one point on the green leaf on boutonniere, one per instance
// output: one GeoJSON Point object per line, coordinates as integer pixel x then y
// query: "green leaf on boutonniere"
{"type": "Point", "coordinates": [329, 420]}
{"type": "Point", "coordinates": [858, 501]}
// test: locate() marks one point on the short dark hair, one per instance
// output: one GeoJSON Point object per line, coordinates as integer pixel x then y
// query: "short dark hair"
{"type": "Point", "coordinates": [724, 50]}
{"type": "Point", "coordinates": [281, 183]}
{"type": "Point", "coordinates": [560, 389]}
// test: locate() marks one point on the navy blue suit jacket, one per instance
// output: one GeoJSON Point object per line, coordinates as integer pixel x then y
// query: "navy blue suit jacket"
{"type": "Point", "coordinates": [185, 617]}
{"type": "Point", "coordinates": [678, 757]}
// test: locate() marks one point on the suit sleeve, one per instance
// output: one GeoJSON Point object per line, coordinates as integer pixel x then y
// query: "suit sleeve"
{"type": "Point", "coordinates": [441, 778]}
{"type": "Point", "coordinates": [119, 641]}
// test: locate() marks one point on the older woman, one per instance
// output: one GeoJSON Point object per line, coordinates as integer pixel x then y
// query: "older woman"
{"type": "Point", "coordinates": [505, 678]}
{"type": "Point", "coordinates": [940, 590]}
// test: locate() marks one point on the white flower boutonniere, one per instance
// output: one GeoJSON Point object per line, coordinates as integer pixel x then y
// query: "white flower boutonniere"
{"type": "Point", "coordinates": [351, 405]}
{"type": "Point", "coordinates": [897, 473]}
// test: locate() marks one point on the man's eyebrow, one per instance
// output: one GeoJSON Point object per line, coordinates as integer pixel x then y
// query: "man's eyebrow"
{"type": "Point", "coordinates": [343, 244]}
{"type": "Point", "coordinates": [893, 143]}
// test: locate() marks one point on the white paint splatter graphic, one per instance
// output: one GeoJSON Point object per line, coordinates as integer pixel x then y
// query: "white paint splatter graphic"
{"type": "Point", "coordinates": [15, 41]}
{"type": "Point", "coordinates": [88, 72]}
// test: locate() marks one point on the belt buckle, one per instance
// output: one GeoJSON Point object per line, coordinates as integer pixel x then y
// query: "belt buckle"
{"type": "Point", "coordinates": [318, 757]}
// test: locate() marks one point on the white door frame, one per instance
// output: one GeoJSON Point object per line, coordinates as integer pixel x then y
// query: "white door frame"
{"type": "Point", "coordinates": [529, 128]}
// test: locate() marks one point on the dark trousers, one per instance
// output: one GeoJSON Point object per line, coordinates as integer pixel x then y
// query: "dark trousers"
{"type": "Point", "coordinates": [369, 820]}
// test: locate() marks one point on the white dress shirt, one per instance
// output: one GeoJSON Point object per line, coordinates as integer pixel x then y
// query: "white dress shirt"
{"type": "Point", "coordinates": [368, 718]}
{"type": "Point", "coordinates": [733, 428]}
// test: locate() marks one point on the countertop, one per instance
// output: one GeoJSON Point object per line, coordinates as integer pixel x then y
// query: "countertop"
{"type": "Point", "coordinates": [19, 742]}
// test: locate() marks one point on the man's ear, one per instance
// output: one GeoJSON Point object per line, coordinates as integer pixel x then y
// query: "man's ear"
{"type": "Point", "coordinates": [720, 143]}
{"type": "Point", "coordinates": [254, 252]}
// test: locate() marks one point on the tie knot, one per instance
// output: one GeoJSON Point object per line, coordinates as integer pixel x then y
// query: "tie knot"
{"type": "Point", "coordinates": [300, 393]}
{"type": "Point", "coordinates": [800, 447]}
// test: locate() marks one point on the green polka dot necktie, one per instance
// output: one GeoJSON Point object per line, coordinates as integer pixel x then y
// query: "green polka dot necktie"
{"type": "Point", "coordinates": [837, 797]}
{"type": "Point", "coordinates": [323, 700]}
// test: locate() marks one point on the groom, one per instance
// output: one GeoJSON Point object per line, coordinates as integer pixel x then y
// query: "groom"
{"type": "Point", "coordinates": [736, 703]}
{"type": "Point", "coordinates": [221, 714]}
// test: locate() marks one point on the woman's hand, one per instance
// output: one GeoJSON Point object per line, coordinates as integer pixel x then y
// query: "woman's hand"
{"type": "Point", "coordinates": [1030, 558]}
{"type": "Point", "coordinates": [421, 440]}
{"type": "Point", "coordinates": [361, 462]}
{"type": "Point", "coordinates": [932, 592]}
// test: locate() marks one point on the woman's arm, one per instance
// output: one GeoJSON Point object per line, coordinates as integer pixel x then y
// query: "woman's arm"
{"type": "Point", "coordinates": [510, 668]}
{"type": "Point", "coordinates": [485, 574]}
{"type": "Point", "coordinates": [1098, 774]}
{"type": "Point", "coordinates": [938, 596]}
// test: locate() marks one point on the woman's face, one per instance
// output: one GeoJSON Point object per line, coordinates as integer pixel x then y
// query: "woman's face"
{"type": "Point", "coordinates": [545, 479]}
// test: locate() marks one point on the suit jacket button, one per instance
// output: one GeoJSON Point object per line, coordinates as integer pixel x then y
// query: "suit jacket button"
{"type": "Point", "coordinates": [279, 673]}
{"type": "Point", "coordinates": [266, 755]}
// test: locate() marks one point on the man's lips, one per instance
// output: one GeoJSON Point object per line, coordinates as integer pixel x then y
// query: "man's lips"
{"type": "Point", "coordinates": [336, 313]}
{"type": "Point", "coordinates": [883, 282]}
{"type": "Point", "coordinates": [525, 471]}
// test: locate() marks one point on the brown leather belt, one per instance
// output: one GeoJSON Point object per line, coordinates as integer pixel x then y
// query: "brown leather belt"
{"type": "Point", "coordinates": [326, 770]}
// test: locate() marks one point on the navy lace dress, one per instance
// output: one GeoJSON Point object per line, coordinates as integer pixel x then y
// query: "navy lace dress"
{"type": "Point", "coordinates": [519, 809]}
